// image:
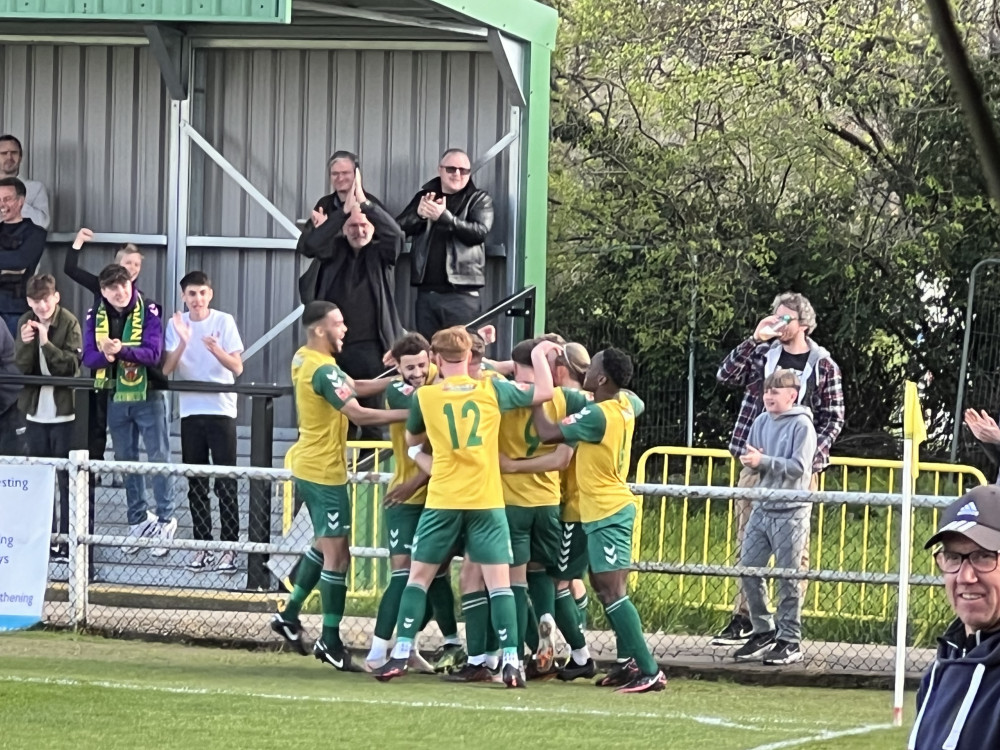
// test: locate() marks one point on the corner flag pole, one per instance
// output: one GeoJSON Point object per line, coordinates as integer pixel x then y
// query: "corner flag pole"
{"type": "Point", "coordinates": [914, 432]}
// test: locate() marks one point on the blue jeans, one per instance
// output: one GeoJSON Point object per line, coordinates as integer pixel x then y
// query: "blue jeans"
{"type": "Point", "coordinates": [127, 421]}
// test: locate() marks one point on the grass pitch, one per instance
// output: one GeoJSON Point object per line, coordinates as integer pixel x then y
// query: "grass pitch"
{"type": "Point", "coordinates": [65, 691]}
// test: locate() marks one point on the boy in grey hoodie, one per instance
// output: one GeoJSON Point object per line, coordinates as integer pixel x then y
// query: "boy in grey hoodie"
{"type": "Point", "coordinates": [780, 449]}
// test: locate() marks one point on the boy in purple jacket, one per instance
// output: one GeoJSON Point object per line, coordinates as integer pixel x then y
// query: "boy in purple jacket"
{"type": "Point", "coordinates": [123, 341]}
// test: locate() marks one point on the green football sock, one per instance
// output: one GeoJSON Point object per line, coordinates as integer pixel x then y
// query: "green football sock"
{"type": "Point", "coordinates": [476, 611]}
{"type": "Point", "coordinates": [624, 619]}
{"type": "Point", "coordinates": [442, 600]}
{"type": "Point", "coordinates": [568, 621]}
{"type": "Point", "coordinates": [520, 591]}
{"type": "Point", "coordinates": [542, 589]}
{"type": "Point", "coordinates": [306, 578]}
{"type": "Point", "coordinates": [411, 612]}
{"type": "Point", "coordinates": [503, 614]}
{"type": "Point", "coordinates": [531, 627]}
{"type": "Point", "coordinates": [388, 607]}
{"type": "Point", "coordinates": [333, 595]}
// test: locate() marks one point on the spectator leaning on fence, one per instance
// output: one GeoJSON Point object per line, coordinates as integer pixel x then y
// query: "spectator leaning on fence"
{"type": "Point", "coordinates": [204, 345]}
{"type": "Point", "coordinates": [779, 451]}
{"type": "Point", "coordinates": [36, 199]}
{"type": "Point", "coordinates": [22, 243]}
{"type": "Point", "coordinates": [123, 341]}
{"type": "Point", "coordinates": [958, 698]}
{"type": "Point", "coordinates": [48, 344]}
{"type": "Point", "coordinates": [448, 219]}
{"type": "Point", "coordinates": [780, 340]}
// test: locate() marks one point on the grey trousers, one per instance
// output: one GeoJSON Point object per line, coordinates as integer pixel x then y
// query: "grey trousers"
{"type": "Point", "coordinates": [785, 534]}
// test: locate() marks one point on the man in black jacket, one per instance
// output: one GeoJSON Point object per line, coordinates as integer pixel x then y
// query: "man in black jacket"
{"type": "Point", "coordinates": [957, 700]}
{"type": "Point", "coordinates": [21, 246]}
{"type": "Point", "coordinates": [355, 245]}
{"type": "Point", "coordinates": [448, 220]}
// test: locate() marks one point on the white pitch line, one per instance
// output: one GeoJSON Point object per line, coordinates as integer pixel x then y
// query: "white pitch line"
{"type": "Point", "coordinates": [714, 721]}
{"type": "Point", "coordinates": [827, 735]}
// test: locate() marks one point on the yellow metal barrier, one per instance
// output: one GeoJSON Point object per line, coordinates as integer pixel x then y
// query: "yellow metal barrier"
{"type": "Point", "coordinates": [366, 513]}
{"type": "Point", "coordinates": [859, 538]}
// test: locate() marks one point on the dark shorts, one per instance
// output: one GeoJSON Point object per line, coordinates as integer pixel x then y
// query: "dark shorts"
{"type": "Point", "coordinates": [401, 526]}
{"type": "Point", "coordinates": [571, 560]}
{"type": "Point", "coordinates": [329, 507]}
{"type": "Point", "coordinates": [609, 541]}
{"type": "Point", "coordinates": [534, 533]}
{"type": "Point", "coordinates": [487, 538]}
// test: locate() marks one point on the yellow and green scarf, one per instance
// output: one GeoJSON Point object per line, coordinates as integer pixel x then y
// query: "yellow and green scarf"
{"type": "Point", "coordinates": [130, 383]}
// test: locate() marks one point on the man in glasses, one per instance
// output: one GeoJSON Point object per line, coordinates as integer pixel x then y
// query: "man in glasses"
{"type": "Point", "coordinates": [957, 699]}
{"type": "Point", "coordinates": [448, 220]}
{"type": "Point", "coordinates": [781, 340]}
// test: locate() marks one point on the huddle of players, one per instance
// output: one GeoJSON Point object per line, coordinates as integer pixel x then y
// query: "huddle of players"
{"type": "Point", "coordinates": [560, 507]}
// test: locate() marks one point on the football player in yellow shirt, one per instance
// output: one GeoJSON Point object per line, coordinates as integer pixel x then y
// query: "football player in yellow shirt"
{"type": "Point", "coordinates": [325, 399]}
{"type": "Point", "coordinates": [460, 418]}
{"type": "Point", "coordinates": [569, 368]}
{"type": "Point", "coordinates": [404, 502]}
{"type": "Point", "coordinates": [603, 434]}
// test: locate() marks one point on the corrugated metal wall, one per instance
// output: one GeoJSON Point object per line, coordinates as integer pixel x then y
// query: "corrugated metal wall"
{"type": "Point", "coordinates": [277, 116]}
{"type": "Point", "coordinates": [93, 124]}
{"type": "Point", "coordinates": [93, 120]}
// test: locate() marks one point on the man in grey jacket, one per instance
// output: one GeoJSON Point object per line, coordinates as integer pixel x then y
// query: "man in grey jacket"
{"type": "Point", "coordinates": [779, 449]}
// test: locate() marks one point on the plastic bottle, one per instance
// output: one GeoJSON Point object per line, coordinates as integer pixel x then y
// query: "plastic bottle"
{"type": "Point", "coordinates": [774, 330]}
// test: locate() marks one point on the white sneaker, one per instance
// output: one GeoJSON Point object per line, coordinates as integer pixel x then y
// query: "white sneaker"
{"type": "Point", "coordinates": [227, 563]}
{"type": "Point", "coordinates": [546, 652]}
{"type": "Point", "coordinates": [165, 531]}
{"type": "Point", "coordinates": [140, 529]}
{"type": "Point", "coordinates": [202, 560]}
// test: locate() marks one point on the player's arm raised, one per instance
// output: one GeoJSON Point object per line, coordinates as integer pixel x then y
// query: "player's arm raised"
{"type": "Point", "coordinates": [544, 387]}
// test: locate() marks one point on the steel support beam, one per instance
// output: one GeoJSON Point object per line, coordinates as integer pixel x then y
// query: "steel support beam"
{"type": "Point", "coordinates": [169, 50]}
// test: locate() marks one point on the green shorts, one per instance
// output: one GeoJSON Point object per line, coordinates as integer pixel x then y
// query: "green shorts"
{"type": "Point", "coordinates": [400, 526]}
{"type": "Point", "coordinates": [534, 533]}
{"type": "Point", "coordinates": [609, 541]}
{"type": "Point", "coordinates": [487, 538]}
{"type": "Point", "coordinates": [329, 507]}
{"type": "Point", "coordinates": [571, 562]}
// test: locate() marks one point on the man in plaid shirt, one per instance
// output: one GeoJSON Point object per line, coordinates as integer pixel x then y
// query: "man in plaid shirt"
{"type": "Point", "coordinates": [781, 340]}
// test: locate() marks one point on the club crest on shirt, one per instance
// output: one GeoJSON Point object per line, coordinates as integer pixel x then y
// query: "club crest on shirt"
{"type": "Point", "coordinates": [522, 386]}
{"type": "Point", "coordinates": [153, 309]}
{"type": "Point", "coordinates": [343, 392]}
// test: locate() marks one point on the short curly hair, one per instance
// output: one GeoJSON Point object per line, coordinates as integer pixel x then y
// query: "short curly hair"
{"type": "Point", "coordinates": [617, 366]}
{"type": "Point", "coordinates": [798, 304]}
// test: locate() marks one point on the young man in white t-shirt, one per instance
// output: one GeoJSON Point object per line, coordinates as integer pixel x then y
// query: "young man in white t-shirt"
{"type": "Point", "coordinates": [204, 344]}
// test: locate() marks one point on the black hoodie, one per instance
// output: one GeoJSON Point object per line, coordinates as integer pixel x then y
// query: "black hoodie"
{"type": "Point", "coordinates": [958, 699]}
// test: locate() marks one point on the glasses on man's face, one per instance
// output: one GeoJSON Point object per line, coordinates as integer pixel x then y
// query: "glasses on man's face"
{"type": "Point", "coordinates": [457, 170]}
{"type": "Point", "coordinates": [981, 560]}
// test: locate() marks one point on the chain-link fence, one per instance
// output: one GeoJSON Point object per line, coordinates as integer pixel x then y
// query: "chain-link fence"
{"type": "Point", "coordinates": [687, 553]}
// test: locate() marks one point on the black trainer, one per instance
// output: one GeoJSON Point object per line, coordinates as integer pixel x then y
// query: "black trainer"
{"type": "Point", "coordinates": [337, 658]}
{"type": "Point", "coordinates": [783, 652]}
{"type": "Point", "coordinates": [392, 668]}
{"type": "Point", "coordinates": [512, 677]}
{"type": "Point", "coordinates": [59, 553]}
{"type": "Point", "coordinates": [574, 671]}
{"type": "Point", "coordinates": [620, 674]}
{"type": "Point", "coordinates": [736, 633]}
{"type": "Point", "coordinates": [756, 645]}
{"type": "Point", "coordinates": [290, 630]}
{"type": "Point", "coordinates": [469, 673]}
{"type": "Point", "coordinates": [645, 683]}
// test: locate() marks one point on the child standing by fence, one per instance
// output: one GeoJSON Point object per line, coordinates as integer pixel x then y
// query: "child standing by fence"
{"type": "Point", "coordinates": [780, 450]}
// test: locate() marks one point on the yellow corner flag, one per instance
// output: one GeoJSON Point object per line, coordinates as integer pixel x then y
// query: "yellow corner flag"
{"type": "Point", "coordinates": [913, 422]}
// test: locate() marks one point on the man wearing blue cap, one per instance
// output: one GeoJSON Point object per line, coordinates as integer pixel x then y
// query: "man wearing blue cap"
{"type": "Point", "coordinates": [957, 700]}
